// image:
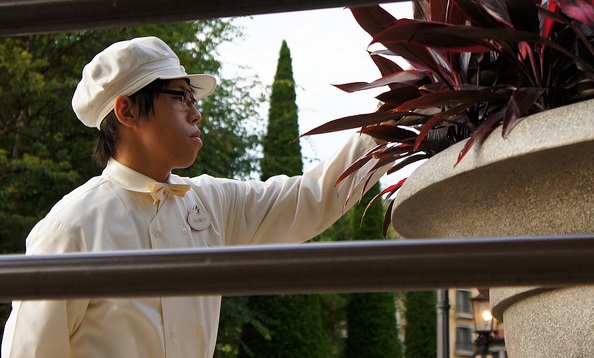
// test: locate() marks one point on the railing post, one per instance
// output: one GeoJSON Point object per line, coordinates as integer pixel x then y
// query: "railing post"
{"type": "Point", "coordinates": [443, 323]}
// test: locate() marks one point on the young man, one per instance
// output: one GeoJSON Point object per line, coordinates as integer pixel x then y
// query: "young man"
{"type": "Point", "coordinates": [144, 104]}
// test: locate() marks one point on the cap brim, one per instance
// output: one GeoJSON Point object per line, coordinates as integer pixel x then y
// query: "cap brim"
{"type": "Point", "coordinates": [202, 84]}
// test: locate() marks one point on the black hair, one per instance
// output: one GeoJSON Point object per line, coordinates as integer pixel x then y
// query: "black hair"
{"type": "Point", "coordinates": [106, 139]}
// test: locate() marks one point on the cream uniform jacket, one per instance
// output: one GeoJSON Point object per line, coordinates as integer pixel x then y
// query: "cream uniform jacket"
{"type": "Point", "coordinates": [115, 212]}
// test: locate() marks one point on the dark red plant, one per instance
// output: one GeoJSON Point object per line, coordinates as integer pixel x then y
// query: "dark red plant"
{"type": "Point", "coordinates": [475, 65]}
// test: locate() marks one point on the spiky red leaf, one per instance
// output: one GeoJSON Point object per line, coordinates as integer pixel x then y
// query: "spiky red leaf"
{"type": "Point", "coordinates": [387, 219]}
{"type": "Point", "coordinates": [388, 133]}
{"type": "Point", "coordinates": [393, 188]}
{"type": "Point", "coordinates": [413, 53]}
{"type": "Point", "coordinates": [580, 10]}
{"type": "Point", "coordinates": [485, 13]}
{"type": "Point", "coordinates": [412, 33]}
{"type": "Point", "coordinates": [353, 168]}
{"type": "Point", "coordinates": [450, 98]}
{"type": "Point", "coordinates": [398, 77]}
{"type": "Point", "coordinates": [356, 121]}
{"type": "Point", "coordinates": [407, 161]}
{"type": "Point", "coordinates": [385, 65]}
{"type": "Point", "coordinates": [520, 102]}
{"type": "Point", "coordinates": [439, 10]}
{"type": "Point", "coordinates": [498, 36]}
{"type": "Point", "coordinates": [399, 94]}
{"type": "Point", "coordinates": [481, 132]}
{"type": "Point", "coordinates": [547, 23]}
{"type": "Point", "coordinates": [372, 19]}
{"type": "Point", "coordinates": [439, 118]}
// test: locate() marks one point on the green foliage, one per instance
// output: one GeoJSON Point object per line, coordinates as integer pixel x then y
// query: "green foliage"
{"type": "Point", "coordinates": [294, 328]}
{"type": "Point", "coordinates": [339, 231]}
{"type": "Point", "coordinates": [420, 335]}
{"type": "Point", "coordinates": [333, 306]}
{"type": "Point", "coordinates": [370, 226]}
{"type": "Point", "coordinates": [281, 154]}
{"type": "Point", "coordinates": [29, 186]}
{"type": "Point", "coordinates": [235, 313]}
{"type": "Point", "coordinates": [372, 326]}
{"type": "Point", "coordinates": [293, 322]}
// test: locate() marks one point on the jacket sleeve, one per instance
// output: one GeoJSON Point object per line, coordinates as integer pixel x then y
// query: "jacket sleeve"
{"type": "Point", "coordinates": [295, 209]}
{"type": "Point", "coordinates": [42, 328]}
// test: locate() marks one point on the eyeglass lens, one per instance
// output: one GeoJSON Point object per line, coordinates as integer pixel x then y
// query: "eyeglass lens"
{"type": "Point", "coordinates": [189, 100]}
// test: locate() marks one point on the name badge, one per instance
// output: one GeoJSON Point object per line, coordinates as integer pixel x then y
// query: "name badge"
{"type": "Point", "coordinates": [198, 219]}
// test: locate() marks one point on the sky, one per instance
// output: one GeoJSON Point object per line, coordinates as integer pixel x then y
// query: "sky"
{"type": "Point", "coordinates": [327, 47]}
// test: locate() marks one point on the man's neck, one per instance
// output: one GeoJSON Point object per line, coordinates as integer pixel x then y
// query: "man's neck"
{"type": "Point", "coordinates": [144, 167]}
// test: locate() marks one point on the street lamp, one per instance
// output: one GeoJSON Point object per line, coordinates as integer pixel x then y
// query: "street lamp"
{"type": "Point", "coordinates": [485, 326]}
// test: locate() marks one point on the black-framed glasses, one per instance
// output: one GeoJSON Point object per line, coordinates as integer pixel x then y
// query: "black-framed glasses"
{"type": "Point", "coordinates": [185, 96]}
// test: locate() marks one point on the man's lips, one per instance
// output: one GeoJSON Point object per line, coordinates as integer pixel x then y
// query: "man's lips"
{"type": "Point", "coordinates": [196, 135]}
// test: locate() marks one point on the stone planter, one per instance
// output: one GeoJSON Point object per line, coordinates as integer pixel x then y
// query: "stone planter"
{"type": "Point", "coordinates": [537, 181]}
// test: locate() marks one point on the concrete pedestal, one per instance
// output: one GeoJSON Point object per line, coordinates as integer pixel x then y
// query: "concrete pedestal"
{"type": "Point", "coordinates": [537, 181]}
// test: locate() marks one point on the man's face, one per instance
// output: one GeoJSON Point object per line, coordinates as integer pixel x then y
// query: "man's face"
{"type": "Point", "coordinates": [170, 134]}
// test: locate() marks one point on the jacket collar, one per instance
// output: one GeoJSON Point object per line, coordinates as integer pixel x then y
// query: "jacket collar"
{"type": "Point", "coordinates": [129, 179]}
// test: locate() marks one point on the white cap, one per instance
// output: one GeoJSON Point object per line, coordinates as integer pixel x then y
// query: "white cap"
{"type": "Point", "coordinates": [124, 68]}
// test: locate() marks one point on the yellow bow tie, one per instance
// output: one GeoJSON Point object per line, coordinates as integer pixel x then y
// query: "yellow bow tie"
{"type": "Point", "coordinates": [158, 190]}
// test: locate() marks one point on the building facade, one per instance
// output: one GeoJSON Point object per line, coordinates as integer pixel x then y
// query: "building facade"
{"type": "Point", "coordinates": [462, 330]}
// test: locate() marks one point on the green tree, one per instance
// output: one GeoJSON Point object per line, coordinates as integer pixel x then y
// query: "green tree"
{"type": "Point", "coordinates": [45, 151]}
{"type": "Point", "coordinates": [371, 317]}
{"type": "Point", "coordinates": [282, 154]}
{"type": "Point", "coordinates": [420, 335]}
{"type": "Point", "coordinates": [291, 324]}
{"type": "Point", "coordinates": [334, 305]}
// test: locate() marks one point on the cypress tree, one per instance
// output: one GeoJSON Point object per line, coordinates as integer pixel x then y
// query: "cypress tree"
{"type": "Point", "coordinates": [420, 335]}
{"type": "Point", "coordinates": [371, 317]}
{"type": "Point", "coordinates": [291, 325]}
{"type": "Point", "coordinates": [282, 155]}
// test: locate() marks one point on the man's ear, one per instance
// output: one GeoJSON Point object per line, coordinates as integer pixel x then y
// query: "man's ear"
{"type": "Point", "coordinates": [126, 111]}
